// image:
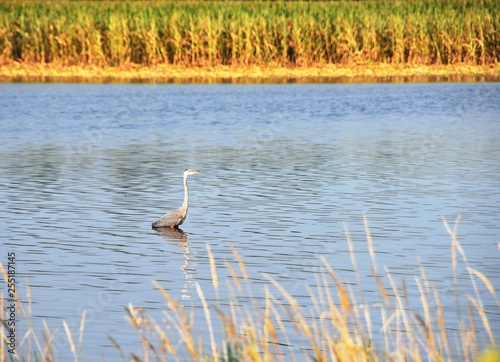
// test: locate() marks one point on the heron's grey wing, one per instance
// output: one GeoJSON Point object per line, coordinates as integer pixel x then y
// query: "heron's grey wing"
{"type": "Point", "coordinates": [170, 220]}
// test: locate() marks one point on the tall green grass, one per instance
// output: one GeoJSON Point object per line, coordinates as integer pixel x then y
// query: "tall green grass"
{"type": "Point", "coordinates": [335, 325]}
{"type": "Point", "coordinates": [104, 33]}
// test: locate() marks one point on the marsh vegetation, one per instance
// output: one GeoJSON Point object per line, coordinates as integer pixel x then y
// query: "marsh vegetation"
{"type": "Point", "coordinates": [338, 326]}
{"type": "Point", "coordinates": [245, 34]}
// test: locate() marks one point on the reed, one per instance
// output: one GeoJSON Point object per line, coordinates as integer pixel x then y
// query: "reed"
{"type": "Point", "coordinates": [336, 325]}
{"type": "Point", "coordinates": [285, 34]}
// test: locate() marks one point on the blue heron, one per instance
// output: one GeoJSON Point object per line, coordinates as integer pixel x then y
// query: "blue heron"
{"type": "Point", "coordinates": [175, 218]}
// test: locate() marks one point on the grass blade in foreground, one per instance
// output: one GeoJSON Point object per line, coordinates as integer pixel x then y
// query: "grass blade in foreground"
{"type": "Point", "coordinates": [276, 328]}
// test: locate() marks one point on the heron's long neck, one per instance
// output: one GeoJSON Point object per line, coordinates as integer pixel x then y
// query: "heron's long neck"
{"type": "Point", "coordinates": [186, 195]}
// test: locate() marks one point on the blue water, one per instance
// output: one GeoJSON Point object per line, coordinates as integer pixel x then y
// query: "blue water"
{"type": "Point", "coordinates": [286, 169]}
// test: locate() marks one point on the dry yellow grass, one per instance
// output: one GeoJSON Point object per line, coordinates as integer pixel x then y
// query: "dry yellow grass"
{"type": "Point", "coordinates": [367, 72]}
{"type": "Point", "coordinates": [334, 327]}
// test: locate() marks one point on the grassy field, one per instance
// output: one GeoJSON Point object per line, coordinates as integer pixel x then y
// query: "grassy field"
{"type": "Point", "coordinates": [165, 39]}
{"type": "Point", "coordinates": [336, 325]}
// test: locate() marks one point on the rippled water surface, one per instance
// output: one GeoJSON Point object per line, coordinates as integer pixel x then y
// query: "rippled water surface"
{"type": "Point", "coordinates": [85, 169]}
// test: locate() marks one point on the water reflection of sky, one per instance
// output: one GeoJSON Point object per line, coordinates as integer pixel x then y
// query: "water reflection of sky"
{"type": "Point", "coordinates": [86, 168]}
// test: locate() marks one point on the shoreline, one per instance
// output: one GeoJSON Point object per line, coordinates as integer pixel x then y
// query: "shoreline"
{"type": "Point", "coordinates": [324, 73]}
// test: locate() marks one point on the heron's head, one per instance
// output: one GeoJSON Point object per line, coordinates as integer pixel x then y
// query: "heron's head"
{"type": "Point", "coordinates": [188, 171]}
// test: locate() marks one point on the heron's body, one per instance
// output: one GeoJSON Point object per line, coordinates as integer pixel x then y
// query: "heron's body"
{"type": "Point", "coordinates": [175, 218]}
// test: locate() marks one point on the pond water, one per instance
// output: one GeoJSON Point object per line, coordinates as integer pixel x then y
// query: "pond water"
{"type": "Point", "coordinates": [85, 169]}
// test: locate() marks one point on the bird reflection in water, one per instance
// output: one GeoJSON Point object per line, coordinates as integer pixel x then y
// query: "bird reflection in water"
{"type": "Point", "coordinates": [179, 238]}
